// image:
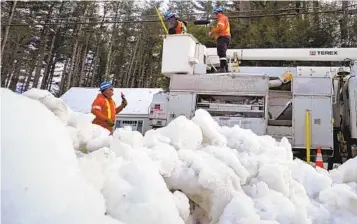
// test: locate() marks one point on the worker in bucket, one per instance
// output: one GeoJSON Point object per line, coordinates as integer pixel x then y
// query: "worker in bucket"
{"type": "Point", "coordinates": [104, 107]}
{"type": "Point", "coordinates": [222, 34]}
{"type": "Point", "coordinates": [176, 25]}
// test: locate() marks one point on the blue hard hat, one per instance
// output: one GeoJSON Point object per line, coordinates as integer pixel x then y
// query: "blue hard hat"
{"type": "Point", "coordinates": [217, 9]}
{"type": "Point", "coordinates": [168, 15]}
{"type": "Point", "coordinates": [105, 85]}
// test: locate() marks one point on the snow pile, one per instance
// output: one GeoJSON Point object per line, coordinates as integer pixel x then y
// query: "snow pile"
{"type": "Point", "coordinates": [191, 170]}
{"type": "Point", "coordinates": [45, 183]}
{"type": "Point", "coordinates": [86, 137]}
{"type": "Point", "coordinates": [134, 186]}
{"type": "Point", "coordinates": [56, 105]}
{"type": "Point", "coordinates": [236, 176]}
{"type": "Point", "coordinates": [212, 175]}
{"type": "Point", "coordinates": [41, 180]}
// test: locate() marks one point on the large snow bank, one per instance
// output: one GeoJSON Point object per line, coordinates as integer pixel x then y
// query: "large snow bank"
{"type": "Point", "coordinates": [86, 137]}
{"type": "Point", "coordinates": [236, 176]}
{"type": "Point", "coordinates": [217, 175]}
{"type": "Point", "coordinates": [41, 180]}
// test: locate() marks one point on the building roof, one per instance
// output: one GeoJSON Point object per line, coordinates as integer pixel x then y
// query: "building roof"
{"type": "Point", "coordinates": [139, 99]}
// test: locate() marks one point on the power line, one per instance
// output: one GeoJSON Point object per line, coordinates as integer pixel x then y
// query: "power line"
{"type": "Point", "coordinates": [192, 14]}
{"type": "Point", "coordinates": [156, 20]}
{"type": "Point", "coordinates": [204, 13]}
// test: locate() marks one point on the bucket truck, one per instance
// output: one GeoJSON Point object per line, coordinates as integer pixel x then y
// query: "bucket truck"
{"type": "Point", "coordinates": [312, 106]}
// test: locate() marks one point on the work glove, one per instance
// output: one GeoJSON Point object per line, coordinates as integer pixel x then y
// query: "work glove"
{"type": "Point", "coordinates": [124, 103]}
{"type": "Point", "coordinates": [110, 122]}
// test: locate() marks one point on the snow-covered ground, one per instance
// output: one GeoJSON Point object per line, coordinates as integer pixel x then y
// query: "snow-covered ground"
{"type": "Point", "coordinates": [57, 167]}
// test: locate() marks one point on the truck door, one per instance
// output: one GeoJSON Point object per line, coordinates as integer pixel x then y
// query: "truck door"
{"type": "Point", "coordinates": [313, 94]}
{"type": "Point", "coordinates": [181, 103]}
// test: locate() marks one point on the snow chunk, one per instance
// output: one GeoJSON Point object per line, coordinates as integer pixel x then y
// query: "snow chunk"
{"type": "Point", "coordinates": [56, 105]}
{"type": "Point", "coordinates": [345, 173]}
{"type": "Point", "coordinates": [96, 166]}
{"type": "Point", "coordinates": [239, 210]}
{"type": "Point", "coordinates": [183, 205]}
{"type": "Point", "coordinates": [183, 133]}
{"type": "Point", "coordinates": [313, 181]}
{"type": "Point", "coordinates": [209, 128]}
{"type": "Point", "coordinates": [165, 157]}
{"type": "Point", "coordinates": [230, 158]}
{"type": "Point", "coordinates": [154, 137]}
{"type": "Point", "coordinates": [134, 186]}
{"type": "Point", "coordinates": [205, 180]}
{"type": "Point", "coordinates": [86, 137]}
{"type": "Point", "coordinates": [133, 138]}
{"type": "Point", "coordinates": [279, 180]}
{"type": "Point", "coordinates": [340, 196]}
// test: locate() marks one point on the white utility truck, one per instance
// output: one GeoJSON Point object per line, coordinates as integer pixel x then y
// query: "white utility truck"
{"type": "Point", "coordinates": [314, 107]}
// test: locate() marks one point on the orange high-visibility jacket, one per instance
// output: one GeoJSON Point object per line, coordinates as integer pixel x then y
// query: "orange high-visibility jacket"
{"type": "Point", "coordinates": [103, 108]}
{"type": "Point", "coordinates": [222, 28]}
{"type": "Point", "coordinates": [180, 27]}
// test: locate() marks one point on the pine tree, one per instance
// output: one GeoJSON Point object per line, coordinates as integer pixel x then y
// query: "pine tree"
{"type": "Point", "coordinates": [121, 40]}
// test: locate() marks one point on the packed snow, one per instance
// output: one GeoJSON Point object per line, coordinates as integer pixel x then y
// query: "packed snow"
{"type": "Point", "coordinates": [58, 167]}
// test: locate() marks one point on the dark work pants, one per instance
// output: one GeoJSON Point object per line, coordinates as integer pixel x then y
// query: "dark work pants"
{"type": "Point", "coordinates": [222, 46]}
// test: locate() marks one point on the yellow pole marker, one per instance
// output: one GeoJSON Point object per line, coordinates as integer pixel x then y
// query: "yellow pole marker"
{"type": "Point", "coordinates": [162, 22]}
{"type": "Point", "coordinates": [307, 135]}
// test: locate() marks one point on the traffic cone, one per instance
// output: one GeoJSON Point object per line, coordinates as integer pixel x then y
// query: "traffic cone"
{"type": "Point", "coordinates": [319, 162]}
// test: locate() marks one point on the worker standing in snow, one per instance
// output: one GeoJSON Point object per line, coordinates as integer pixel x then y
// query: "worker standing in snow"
{"type": "Point", "coordinates": [176, 25]}
{"type": "Point", "coordinates": [104, 107]}
{"type": "Point", "coordinates": [222, 34]}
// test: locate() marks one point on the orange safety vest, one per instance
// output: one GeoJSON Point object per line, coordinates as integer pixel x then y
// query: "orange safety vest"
{"type": "Point", "coordinates": [180, 28]}
{"type": "Point", "coordinates": [223, 28]}
{"type": "Point", "coordinates": [106, 106]}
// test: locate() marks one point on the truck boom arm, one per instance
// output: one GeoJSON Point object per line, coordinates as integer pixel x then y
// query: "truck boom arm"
{"type": "Point", "coordinates": [290, 54]}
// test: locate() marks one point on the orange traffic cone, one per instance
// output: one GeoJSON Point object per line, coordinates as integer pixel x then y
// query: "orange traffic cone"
{"type": "Point", "coordinates": [319, 162]}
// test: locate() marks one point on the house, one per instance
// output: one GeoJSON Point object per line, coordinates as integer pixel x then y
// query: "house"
{"type": "Point", "coordinates": [136, 114]}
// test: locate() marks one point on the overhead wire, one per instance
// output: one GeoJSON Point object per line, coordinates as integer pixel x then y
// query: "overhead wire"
{"type": "Point", "coordinates": [193, 14]}
{"type": "Point", "coordinates": [156, 20]}
{"type": "Point", "coordinates": [203, 13]}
